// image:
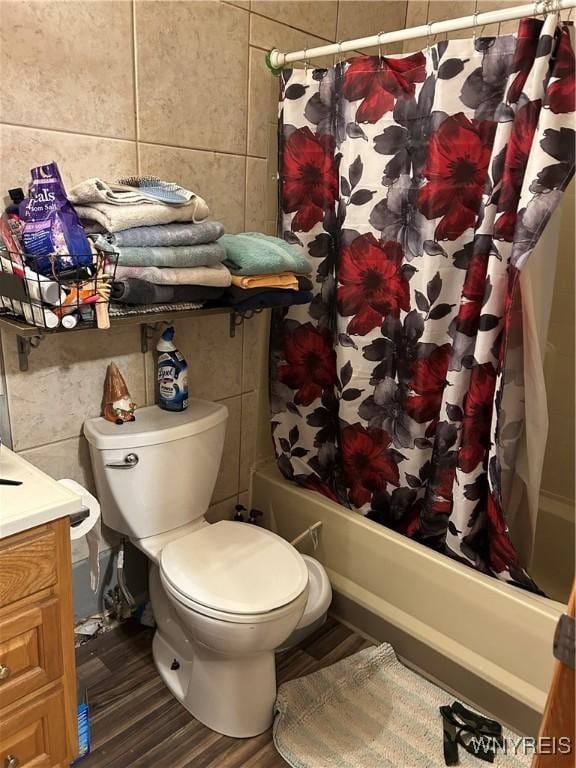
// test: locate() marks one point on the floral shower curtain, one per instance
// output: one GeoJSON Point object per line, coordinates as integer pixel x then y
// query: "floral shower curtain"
{"type": "Point", "coordinates": [418, 186]}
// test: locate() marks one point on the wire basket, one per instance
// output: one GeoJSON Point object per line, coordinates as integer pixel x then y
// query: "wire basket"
{"type": "Point", "coordinates": [64, 298]}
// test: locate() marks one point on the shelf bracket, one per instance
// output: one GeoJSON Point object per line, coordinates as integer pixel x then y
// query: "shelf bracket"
{"type": "Point", "coordinates": [25, 344]}
{"type": "Point", "coordinates": [237, 319]}
{"type": "Point", "coordinates": [148, 331]}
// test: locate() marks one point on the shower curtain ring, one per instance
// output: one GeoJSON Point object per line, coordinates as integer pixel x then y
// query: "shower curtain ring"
{"type": "Point", "coordinates": [305, 59]}
{"type": "Point", "coordinates": [380, 48]}
{"type": "Point", "coordinates": [339, 54]}
{"type": "Point", "coordinates": [428, 35]}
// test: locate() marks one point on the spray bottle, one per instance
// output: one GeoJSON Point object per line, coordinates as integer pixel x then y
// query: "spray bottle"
{"type": "Point", "coordinates": [172, 374]}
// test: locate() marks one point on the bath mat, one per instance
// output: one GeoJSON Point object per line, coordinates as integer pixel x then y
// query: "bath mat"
{"type": "Point", "coordinates": [369, 711]}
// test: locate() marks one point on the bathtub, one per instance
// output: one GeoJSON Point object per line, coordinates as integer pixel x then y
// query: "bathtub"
{"type": "Point", "coordinates": [485, 641]}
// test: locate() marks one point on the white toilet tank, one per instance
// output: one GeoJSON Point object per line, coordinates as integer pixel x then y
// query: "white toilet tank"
{"type": "Point", "coordinates": [158, 472]}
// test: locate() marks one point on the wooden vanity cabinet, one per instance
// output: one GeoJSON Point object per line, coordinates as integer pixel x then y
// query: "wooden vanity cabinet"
{"type": "Point", "coordinates": [37, 664]}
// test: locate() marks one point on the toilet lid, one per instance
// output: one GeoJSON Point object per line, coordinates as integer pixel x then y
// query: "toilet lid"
{"type": "Point", "coordinates": [235, 568]}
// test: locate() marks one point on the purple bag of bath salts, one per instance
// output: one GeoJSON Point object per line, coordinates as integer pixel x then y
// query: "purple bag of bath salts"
{"type": "Point", "coordinates": [52, 235]}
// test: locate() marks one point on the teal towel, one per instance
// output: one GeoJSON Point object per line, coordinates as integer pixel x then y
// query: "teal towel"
{"type": "Point", "coordinates": [252, 253]}
{"type": "Point", "coordinates": [205, 255]}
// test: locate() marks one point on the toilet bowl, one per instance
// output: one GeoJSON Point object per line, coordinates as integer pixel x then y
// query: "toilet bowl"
{"type": "Point", "coordinates": [317, 603]}
{"type": "Point", "coordinates": [225, 595]}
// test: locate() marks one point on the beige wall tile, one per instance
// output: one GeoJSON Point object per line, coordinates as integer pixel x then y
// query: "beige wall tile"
{"type": "Point", "coordinates": [63, 385]}
{"type": "Point", "coordinates": [67, 64]}
{"type": "Point", "coordinates": [319, 18]}
{"type": "Point", "coordinates": [192, 74]}
{"type": "Point", "coordinates": [65, 458]}
{"type": "Point", "coordinates": [440, 10]}
{"type": "Point", "coordinates": [416, 15]}
{"type": "Point", "coordinates": [262, 103]}
{"type": "Point", "coordinates": [256, 194]}
{"type": "Point", "coordinates": [249, 434]}
{"type": "Point", "coordinates": [255, 349]}
{"type": "Point", "coordinates": [214, 359]}
{"type": "Point", "coordinates": [78, 157]}
{"type": "Point", "coordinates": [361, 18]}
{"type": "Point", "coordinates": [222, 510]}
{"type": "Point", "coordinates": [267, 34]}
{"type": "Point", "coordinates": [218, 178]}
{"type": "Point", "coordinates": [483, 6]}
{"type": "Point", "coordinates": [558, 472]}
{"type": "Point", "coordinates": [227, 482]}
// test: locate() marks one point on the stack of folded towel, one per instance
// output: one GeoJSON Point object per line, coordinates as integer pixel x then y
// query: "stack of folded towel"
{"type": "Point", "coordinates": [266, 272]}
{"type": "Point", "coordinates": [165, 249]}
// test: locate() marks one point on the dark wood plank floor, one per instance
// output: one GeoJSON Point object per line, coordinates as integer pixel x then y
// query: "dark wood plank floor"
{"type": "Point", "coordinates": [137, 723]}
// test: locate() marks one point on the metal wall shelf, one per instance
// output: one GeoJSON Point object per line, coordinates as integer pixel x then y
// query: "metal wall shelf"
{"type": "Point", "coordinates": [28, 337]}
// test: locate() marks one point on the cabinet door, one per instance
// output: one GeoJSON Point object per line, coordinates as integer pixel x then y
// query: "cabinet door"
{"type": "Point", "coordinates": [32, 735]}
{"type": "Point", "coordinates": [28, 564]}
{"type": "Point", "coordinates": [30, 650]}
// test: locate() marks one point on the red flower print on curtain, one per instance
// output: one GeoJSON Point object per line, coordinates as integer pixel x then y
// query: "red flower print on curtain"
{"type": "Point", "coordinates": [372, 284]}
{"type": "Point", "coordinates": [458, 157]}
{"type": "Point", "coordinates": [418, 186]}
{"type": "Point", "coordinates": [310, 181]}
{"type": "Point", "coordinates": [428, 382]}
{"type": "Point", "coordinates": [367, 465]}
{"type": "Point", "coordinates": [379, 82]}
{"type": "Point", "coordinates": [309, 368]}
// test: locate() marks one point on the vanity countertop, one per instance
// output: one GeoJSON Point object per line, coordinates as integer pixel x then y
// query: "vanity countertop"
{"type": "Point", "coordinates": [40, 499]}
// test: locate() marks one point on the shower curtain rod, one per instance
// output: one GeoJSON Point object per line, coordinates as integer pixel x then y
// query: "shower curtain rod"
{"type": "Point", "coordinates": [276, 59]}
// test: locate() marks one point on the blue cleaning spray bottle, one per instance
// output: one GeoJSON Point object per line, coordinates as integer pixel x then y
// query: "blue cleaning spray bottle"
{"type": "Point", "coordinates": [172, 374]}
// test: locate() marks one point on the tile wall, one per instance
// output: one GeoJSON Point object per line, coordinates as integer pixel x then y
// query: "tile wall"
{"type": "Point", "coordinates": [177, 89]}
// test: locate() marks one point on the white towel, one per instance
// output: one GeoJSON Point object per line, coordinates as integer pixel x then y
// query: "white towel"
{"type": "Point", "coordinates": [217, 276]}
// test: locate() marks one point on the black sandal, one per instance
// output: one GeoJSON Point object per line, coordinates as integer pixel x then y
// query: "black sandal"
{"type": "Point", "coordinates": [477, 734]}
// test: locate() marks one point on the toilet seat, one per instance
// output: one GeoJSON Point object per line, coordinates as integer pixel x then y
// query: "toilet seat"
{"type": "Point", "coordinates": [234, 572]}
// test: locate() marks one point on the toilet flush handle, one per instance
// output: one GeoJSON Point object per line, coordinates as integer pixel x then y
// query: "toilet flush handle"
{"type": "Point", "coordinates": [130, 460]}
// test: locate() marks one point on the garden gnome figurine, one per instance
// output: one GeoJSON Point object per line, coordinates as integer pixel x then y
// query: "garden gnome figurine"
{"type": "Point", "coordinates": [117, 405]}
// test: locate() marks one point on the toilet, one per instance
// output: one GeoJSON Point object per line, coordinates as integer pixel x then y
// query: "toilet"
{"type": "Point", "coordinates": [225, 595]}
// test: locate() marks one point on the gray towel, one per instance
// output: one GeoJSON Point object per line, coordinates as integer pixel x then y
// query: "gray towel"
{"type": "Point", "coordinates": [106, 217]}
{"type": "Point", "coordinates": [135, 291]}
{"type": "Point", "coordinates": [204, 255]}
{"type": "Point", "coordinates": [167, 234]}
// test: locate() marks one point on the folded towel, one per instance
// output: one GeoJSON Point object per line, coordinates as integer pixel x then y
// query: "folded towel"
{"type": "Point", "coordinates": [135, 291]}
{"type": "Point", "coordinates": [283, 280]}
{"type": "Point", "coordinates": [167, 234]}
{"type": "Point", "coordinates": [204, 255]}
{"type": "Point", "coordinates": [217, 275]}
{"type": "Point", "coordinates": [98, 191]}
{"type": "Point", "coordinates": [262, 299]}
{"type": "Point", "coordinates": [253, 253]}
{"type": "Point", "coordinates": [108, 217]}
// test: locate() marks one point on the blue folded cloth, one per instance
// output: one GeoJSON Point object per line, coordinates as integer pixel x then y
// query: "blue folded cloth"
{"type": "Point", "coordinates": [252, 253]}
{"type": "Point", "coordinates": [273, 298]}
{"type": "Point", "coordinates": [167, 234]}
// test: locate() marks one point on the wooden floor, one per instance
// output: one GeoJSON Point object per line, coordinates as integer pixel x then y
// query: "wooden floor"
{"type": "Point", "coordinates": [137, 722]}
